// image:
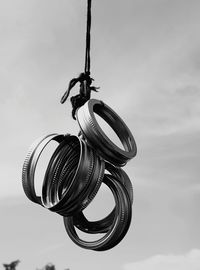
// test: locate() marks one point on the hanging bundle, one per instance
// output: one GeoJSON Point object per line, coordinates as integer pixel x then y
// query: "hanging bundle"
{"type": "Point", "coordinates": [80, 164]}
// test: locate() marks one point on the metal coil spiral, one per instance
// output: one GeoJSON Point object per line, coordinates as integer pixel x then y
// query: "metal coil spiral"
{"type": "Point", "coordinates": [76, 170]}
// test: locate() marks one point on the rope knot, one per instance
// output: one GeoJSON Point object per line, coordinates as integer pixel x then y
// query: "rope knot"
{"type": "Point", "coordinates": [84, 78]}
{"type": "Point", "coordinates": [84, 93]}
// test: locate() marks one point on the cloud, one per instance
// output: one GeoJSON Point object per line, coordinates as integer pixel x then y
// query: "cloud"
{"type": "Point", "coordinates": [190, 261]}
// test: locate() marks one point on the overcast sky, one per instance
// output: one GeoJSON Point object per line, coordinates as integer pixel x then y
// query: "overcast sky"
{"type": "Point", "coordinates": [146, 59]}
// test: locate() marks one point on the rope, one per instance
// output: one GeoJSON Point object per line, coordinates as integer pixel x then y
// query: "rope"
{"type": "Point", "coordinates": [88, 29]}
{"type": "Point", "coordinates": [84, 78]}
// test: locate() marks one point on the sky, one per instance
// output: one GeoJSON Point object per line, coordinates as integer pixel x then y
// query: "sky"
{"type": "Point", "coordinates": [145, 57]}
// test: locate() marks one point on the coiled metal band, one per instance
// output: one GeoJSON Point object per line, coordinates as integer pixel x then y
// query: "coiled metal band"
{"type": "Point", "coordinates": [96, 137]}
{"type": "Point", "coordinates": [120, 224]}
{"type": "Point", "coordinates": [103, 225]}
{"type": "Point", "coordinates": [82, 185]}
{"type": "Point", "coordinates": [73, 176]}
{"type": "Point", "coordinates": [76, 170]}
{"type": "Point", "coordinates": [29, 166]}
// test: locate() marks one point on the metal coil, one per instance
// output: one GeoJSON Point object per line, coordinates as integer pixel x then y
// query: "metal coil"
{"type": "Point", "coordinates": [81, 187]}
{"type": "Point", "coordinates": [96, 137]}
{"type": "Point", "coordinates": [76, 170]}
{"type": "Point", "coordinates": [73, 175]}
{"type": "Point", "coordinates": [120, 224]}
{"type": "Point", "coordinates": [30, 163]}
{"type": "Point", "coordinates": [103, 225]}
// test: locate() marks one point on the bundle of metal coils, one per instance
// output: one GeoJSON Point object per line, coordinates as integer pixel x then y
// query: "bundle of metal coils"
{"type": "Point", "coordinates": [76, 170]}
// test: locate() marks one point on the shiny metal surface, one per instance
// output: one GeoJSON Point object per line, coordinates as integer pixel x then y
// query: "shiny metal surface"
{"type": "Point", "coordinates": [96, 137]}
{"type": "Point", "coordinates": [76, 170]}
{"type": "Point", "coordinates": [103, 225]}
{"type": "Point", "coordinates": [120, 225]}
{"type": "Point", "coordinates": [82, 185]}
{"type": "Point", "coordinates": [30, 163]}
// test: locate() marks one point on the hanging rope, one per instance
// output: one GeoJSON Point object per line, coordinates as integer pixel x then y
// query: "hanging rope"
{"type": "Point", "coordinates": [87, 51]}
{"type": "Point", "coordinates": [84, 78]}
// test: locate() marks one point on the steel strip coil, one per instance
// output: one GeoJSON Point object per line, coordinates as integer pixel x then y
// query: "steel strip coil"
{"type": "Point", "coordinates": [63, 159]}
{"type": "Point", "coordinates": [96, 137]}
{"type": "Point", "coordinates": [30, 163]}
{"type": "Point", "coordinates": [81, 187]}
{"type": "Point", "coordinates": [103, 225]}
{"type": "Point", "coordinates": [121, 222]}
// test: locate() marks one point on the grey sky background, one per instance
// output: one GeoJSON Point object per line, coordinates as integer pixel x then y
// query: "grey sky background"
{"type": "Point", "coordinates": [146, 59]}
